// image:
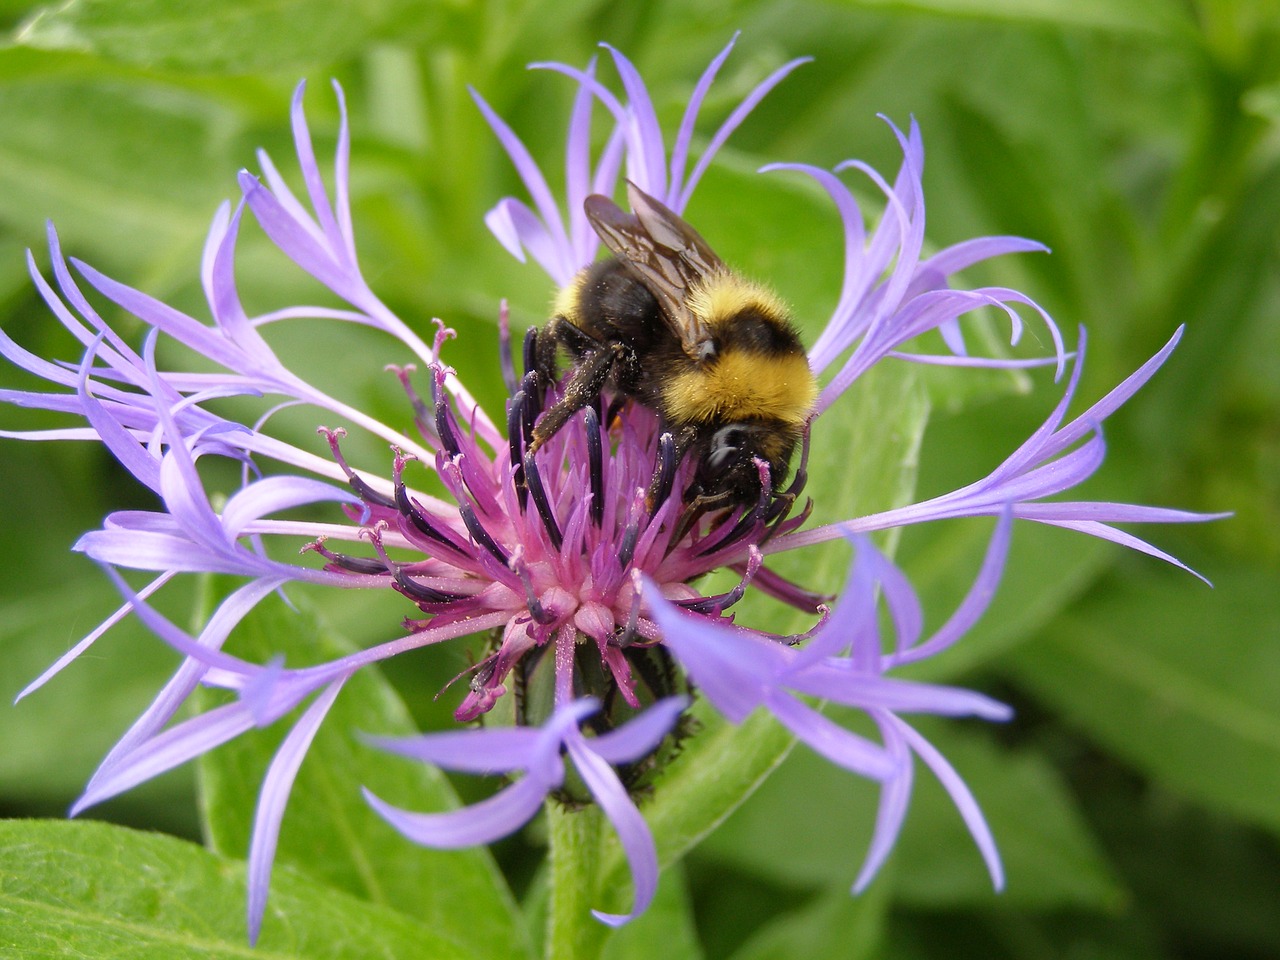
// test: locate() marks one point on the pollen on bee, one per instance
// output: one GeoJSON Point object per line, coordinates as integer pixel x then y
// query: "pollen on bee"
{"type": "Point", "coordinates": [567, 297]}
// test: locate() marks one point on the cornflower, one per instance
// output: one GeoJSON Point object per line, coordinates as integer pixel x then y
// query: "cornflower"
{"type": "Point", "coordinates": [578, 557]}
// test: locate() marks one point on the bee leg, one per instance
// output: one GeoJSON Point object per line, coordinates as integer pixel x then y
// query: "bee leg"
{"type": "Point", "coordinates": [545, 346]}
{"type": "Point", "coordinates": [780, 505]}
{"type": "Point", "coordinates": [560, 330]}
{"type": "Point", "coordinates": [584, 385]}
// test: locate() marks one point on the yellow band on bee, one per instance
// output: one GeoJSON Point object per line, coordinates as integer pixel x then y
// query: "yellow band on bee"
{"type": "Point", "coordinates": [743, 385]}
{"type": "Point", "coordinates": [720, 297]}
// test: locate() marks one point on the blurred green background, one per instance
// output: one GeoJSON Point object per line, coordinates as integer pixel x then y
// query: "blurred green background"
{"type": "Point", "coordinates": [1136, 796]}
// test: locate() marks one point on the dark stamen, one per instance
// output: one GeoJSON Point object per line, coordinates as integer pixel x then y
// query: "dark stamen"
{"type": "Point", "coordinates": [784, 525]}
{"type": "Point", "coordinates": [421, 412]}
{"type": "Point", "coordinates": [718, 604]}
{"type": "Point", "coordinates": [448, 440]}
{"type": "Point", "coordinates": [505, 359]}
{"type": "Point", "coordinates": [365, 565]}
{"type": "Point", "coordinates": [533, 404]}
{"type": "Point", "coordinates": [515, 436]}
{"type": "Point", "coordinates": [780, 588]}
{"type": "Point", "coordinates": [533, 480]}
{"type": "Point", "coordinates": [615, 408]}
{"type": "Point", "coordinates": [595, 457]}
{"type": "Point", "coordinates": [531, 601]}
{"type": "Point", "coordinates": [420, 592]}
{"type": "Point", "coordinates": [630, 536]}
{"type": "Point", "coordinates": [418, 518]}
{"type": "Point", "coordinates": [443, 334]}
{"type": "Point", "coordinates": [797, 484]}
{"type": "Point", "coordinates": [531, 351]}
{"type": "Point", "coordinates": [480, 535]}
{"type": "Point", "coordinates": [368, 494]}
{"type": "Point", "coordinates": [664, 472]}
{"type": "Point", "coordinates": [515, 425]}
{"type": "Point", "coordinates": [751, 520]}
{"type": "Point", "coordinates": [693, 512]}
{"type": "Point", "coordinates": [784, 501]}
{"type": "Point", "coordinates": [627, 634]}
{"type": "Point", "coordinates": [362, 489]}
{"type": "Point", "coordinates": [779, 508]}
{"type": "Point", "coordinates": [824, 614]}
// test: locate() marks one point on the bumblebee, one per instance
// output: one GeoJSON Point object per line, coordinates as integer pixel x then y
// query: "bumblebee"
{"type": "Point", "coordinates": [664, 322]}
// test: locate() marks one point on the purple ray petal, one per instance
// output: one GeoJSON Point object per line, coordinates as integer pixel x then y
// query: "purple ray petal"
{"type": "Point", "coordinates": [895, 797]}
{"type": "Point", "coordinates": [731, 669]}
{"type": "Point", "coordinates": [274, 795]}
{"type": "Point", "coordinates": [832, 741]}
{"type": "Point", "coordinates": [836, 682]}
{"type": "Point", "coordinates": [962, 797]}
{"type": "Point", "coordinates": [89, 640]}
{"type": "Point", "coordinates": [853, 620]}
{"type": "Point", "coordinates": [116, 439]}
{"type": "Point", "coordinates": [648, 149]}
{"type": "Point", "coordinates": [960, 256]}
{"type": "Point", "coordinates": [163, 752]}
{"type": "Point", "coordinates": [975, 602]}
{"type": "Point", "coordinates": [684, 135]}
{"type": "Point", "coordinates": [341, 174]}
{"type": "Point", "coordinates": [294, 239]}
{"type": "Point", "coordinates": [467, 751]}
{"type": "Point", "coordinates": [1105, 532]}
{"type": "Point", "coordinates": [633, 832]}
{"type": "Point", "coordinates": [528, 170]}
{"type": "Point", "coordinates": [518, 230]}
{"type": "Point", "coordinates": [492, 819]}
{"type": "Point", "coordinates": [1116, 397]}
{"type": "Point", "coordinates": [639, 736]}
{"type": "Point", "coordinates": [734, 120]}
{"type": "Point", "coordinates": [271, 494]}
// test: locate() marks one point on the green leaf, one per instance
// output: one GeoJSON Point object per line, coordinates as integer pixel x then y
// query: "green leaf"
{"type": "Point", "coordinates": [132, 173]}
{"type": "Point", "coordinates": [1113, 16]}
{"type": "Point", "coordinates": [665, 930]}
{"type": "Point", "coordinates": [810, 825]}
{"type": "Point", "coordinates": [231, 36]}
{"type": "Point", "coordinates": [93, 890]}
{"type": "Point", "coordinates": [55, 737]}
{"type": "Point", "coordinates": [1197, 874]}
{"type": "Point", "coordinates": [832, 925]}
{"type": "Point", "coordinates": [863, 459]}
{"type": "Point", "coordinates": [328, 829]}
{"type": "Point", "coordinates": [807, 826]}
{"type": "Point", "coordinates": [1178, 680]}
{"type": "Point", "coordinates": [1052, 860]}
{"type": "Point", "coordinates": [943, 568]}
{"type": "Point", "coordinates": [1264, 101]}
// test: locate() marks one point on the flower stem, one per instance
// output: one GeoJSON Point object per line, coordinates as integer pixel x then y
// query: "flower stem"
{"type": "Point", "coordinates": [572, 932]}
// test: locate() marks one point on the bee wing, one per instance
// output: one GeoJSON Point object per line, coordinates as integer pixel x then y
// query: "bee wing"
{"type": "Point", "coordinates": [666, 254]}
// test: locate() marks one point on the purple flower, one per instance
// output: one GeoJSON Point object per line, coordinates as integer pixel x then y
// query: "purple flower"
{"type": "Point", "coordinates": [580, 555]}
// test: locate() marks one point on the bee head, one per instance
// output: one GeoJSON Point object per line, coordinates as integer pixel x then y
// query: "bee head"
{"type": "Point", "coordinates": [727, 467]}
